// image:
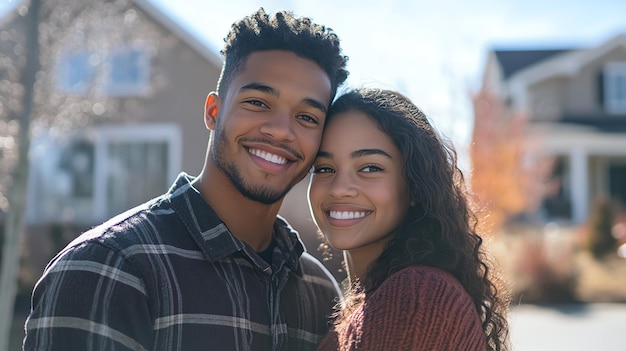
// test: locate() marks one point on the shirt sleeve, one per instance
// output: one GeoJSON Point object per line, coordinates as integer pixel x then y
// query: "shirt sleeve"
{"type": "Point", "coordinates": [89, 298]}
{"type": "Point", "coordinates": [420, 309]}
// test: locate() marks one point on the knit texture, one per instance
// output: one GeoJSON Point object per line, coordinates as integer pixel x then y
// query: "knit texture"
{"type": "Point", "coordinates": [417, 308]}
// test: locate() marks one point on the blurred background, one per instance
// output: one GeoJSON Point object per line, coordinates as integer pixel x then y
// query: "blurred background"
{"type": "Point", "coordinates": [101, 107]}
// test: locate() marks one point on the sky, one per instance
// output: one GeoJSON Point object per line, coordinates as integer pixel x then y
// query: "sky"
{"type": "Point", "coordinates": [433, 52]}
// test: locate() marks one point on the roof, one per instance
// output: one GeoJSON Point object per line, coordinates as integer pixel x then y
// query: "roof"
{"type": "Point", "coordinates": [161, 17]}
{"type": "Point", "coordinates": [607, 124]}
{"type": "Point", "coordinates": [512, 61]}
{"type": "Point", "coordinates": [169, 23]}
{"type": "Point", "coordinates": [523, 67]}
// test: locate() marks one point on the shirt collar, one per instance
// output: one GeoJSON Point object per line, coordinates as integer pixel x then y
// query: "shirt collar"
{"type": "Point", "coordinates": [214, 238]}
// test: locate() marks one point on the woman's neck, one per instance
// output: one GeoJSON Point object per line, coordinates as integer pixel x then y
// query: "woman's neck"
{"type": "Point", "coordinates": [356, 265]}
{"type": "Point", "coordinates": [359, 260]}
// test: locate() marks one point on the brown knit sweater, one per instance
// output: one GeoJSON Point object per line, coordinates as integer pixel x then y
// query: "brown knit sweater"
{"type": "Point", "coordinates": [418, 308]}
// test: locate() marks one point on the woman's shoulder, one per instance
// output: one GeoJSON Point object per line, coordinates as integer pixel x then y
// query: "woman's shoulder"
{"type": "Point", "coordinates": [428, 307]}
{"type": "Point", "coordinates": [421, 275]}
{"type": "Point", "coordinates": [422, 283]}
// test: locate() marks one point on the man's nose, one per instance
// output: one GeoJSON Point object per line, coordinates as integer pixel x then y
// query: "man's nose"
{"type": "Point", "coordinates": [279, 126]}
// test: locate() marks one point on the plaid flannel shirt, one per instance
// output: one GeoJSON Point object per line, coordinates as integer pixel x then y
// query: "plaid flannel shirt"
{"type": "Point", "coordinates": [168, 275]}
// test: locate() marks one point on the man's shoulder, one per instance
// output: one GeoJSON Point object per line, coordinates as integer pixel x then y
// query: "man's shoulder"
{"type": "Point", "coordinates": [139, 224]}
{"type": "Point", "coordinates": [128, 228]}
{"type": "Point", "coordinates": [312, 264]}
{"type": "Point", "coordinates": [315, 272]}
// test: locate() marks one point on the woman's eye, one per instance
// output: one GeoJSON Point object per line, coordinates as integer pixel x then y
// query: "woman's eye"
{"type": "Point", "coordinates": [322, 169]}
{"type": "Point", "coordinates": [371, 168]}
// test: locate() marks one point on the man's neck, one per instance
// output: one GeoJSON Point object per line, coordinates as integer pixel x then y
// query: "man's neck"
{"type": "Point", "coordinates": [249, 221]}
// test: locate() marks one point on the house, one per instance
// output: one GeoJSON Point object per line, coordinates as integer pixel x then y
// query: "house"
{"type": "Point", "coordinates": [140, 94]}
{"type": "Point", "coordinates": [135, 98]}
{"type": "Point", "coordinates": [575, 103]}
{"type": "Point", "coordinates": [155, 91]}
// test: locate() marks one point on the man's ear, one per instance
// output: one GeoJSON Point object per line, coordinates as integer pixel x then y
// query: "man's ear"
{"type": "Point", "coordinates": [211, 110]}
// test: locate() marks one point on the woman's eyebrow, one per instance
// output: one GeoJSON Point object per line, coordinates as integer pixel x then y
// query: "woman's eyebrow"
{"type": "Point", "coordinates": [366, 152]}
{"type": "Point", "coordinates": [357, 153]}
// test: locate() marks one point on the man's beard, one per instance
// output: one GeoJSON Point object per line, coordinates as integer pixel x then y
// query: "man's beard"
{"type": "Point", "coordinates": [262, 194]}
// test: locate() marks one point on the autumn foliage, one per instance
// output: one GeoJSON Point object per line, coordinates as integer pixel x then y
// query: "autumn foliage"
{"type": "Point", "coordinates": [504, 182]}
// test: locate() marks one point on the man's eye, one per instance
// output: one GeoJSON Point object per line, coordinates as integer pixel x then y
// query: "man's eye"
{"type": "Point", "coordinates": [308, 118]}
{"type": "Point", "coordinates": [256, 103]}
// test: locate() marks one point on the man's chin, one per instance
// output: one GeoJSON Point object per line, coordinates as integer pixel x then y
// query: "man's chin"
{"type": "Point", "coordinates": [265, 195]}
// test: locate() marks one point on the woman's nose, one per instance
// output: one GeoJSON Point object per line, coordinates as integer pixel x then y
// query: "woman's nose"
{"type": "Point", "coordinates": [343, 185]}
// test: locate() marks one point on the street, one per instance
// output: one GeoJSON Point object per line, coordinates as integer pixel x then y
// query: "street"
{"type": "Point", "coordinates": [574, 327]}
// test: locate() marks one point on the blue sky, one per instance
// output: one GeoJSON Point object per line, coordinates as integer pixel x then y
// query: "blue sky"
{"type": "Point", "coordinates": [433, 52]}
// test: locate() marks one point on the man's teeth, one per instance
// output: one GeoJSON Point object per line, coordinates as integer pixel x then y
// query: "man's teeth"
{"type": "Point", "coordinates": [346, 215]}
{"type": "Point", "coordinates": [269, 157]}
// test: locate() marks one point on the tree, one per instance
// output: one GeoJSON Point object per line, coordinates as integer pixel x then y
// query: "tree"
{"type": "Point", "coordinates": [505, 181]}
{"type": "Point", "coordinates": [14, 221]}
{"type": "Point", "coordinates": [600, 239]}
{"type": "Point", "coordinates": [32, 41]}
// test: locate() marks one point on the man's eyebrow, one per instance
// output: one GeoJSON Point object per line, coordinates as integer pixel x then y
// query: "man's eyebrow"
{"type": "Point", "coordinates": [357, 153]}
{"type": "Point", "coordinates": [316, 104]}
{"type": "Point", "coordinates": [269, 90]}
{"type": "Point", "coordinates": [325, 154]}
{"type": "Point", "coordinates": [260, 87]}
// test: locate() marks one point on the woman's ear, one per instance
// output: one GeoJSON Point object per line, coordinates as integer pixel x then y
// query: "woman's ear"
{"type": "Point", "coordinates": [211, 110]}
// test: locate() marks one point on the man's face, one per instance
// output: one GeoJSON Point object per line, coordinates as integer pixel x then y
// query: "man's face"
{"type": "Point", "coordinates": [269, 124]}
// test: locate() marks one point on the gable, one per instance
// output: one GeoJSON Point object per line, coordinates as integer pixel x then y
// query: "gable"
{"type": "Point", "coordinates": [566, 63]}
{"type": "Point", "coordinates": [179, 31]}
{"type": "Point", "coordinates": [512, 61]}
{"type": "Point", "coordinates": [153, 12]}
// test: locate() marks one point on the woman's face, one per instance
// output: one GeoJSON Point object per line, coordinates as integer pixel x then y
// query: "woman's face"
{"type": "Point", "coordinates": [357, 194]}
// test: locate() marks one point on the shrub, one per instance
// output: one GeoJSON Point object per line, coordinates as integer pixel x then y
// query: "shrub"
{"type": "Point", "coordinates": [600, 239]}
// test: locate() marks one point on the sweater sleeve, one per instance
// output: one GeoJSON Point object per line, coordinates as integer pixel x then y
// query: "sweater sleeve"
{"type": "Point", "coordinates": [419, 308]}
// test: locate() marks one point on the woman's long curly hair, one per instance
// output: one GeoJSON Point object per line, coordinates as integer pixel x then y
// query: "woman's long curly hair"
{"type": "Point", "coordinates": [440, 230]}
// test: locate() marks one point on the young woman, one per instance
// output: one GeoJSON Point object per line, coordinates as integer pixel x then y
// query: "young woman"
{"type": "Point", "coordinates": [386, 189]}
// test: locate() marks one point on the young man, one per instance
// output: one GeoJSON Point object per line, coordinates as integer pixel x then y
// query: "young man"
{"type": "Point", "coordinates": [209, 265]}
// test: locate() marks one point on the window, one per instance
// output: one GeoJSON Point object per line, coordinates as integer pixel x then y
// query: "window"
{"type": "Point", "coordinates": [124, 72]}
{"type": "Point", "coordinates": [100, 173]}
{"type": "Point", "coordinates": [137, 172]}
{"type": "Point", "coordinates": [75, 73]}
{"type": "Point", "coordinates": [617, 186]}
{"type": "Point", "coordinates": [129, 72]}
{"type": "Point", "coordinates": [615, 87]}
{"type": "Point", "coordinates": [77, 161]}
{"type": "Point", "coordinates": [557, 203]}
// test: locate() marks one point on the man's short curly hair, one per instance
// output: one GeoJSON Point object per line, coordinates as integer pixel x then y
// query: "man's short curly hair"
{"type": "Point", "coordinates": [283, 31]}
